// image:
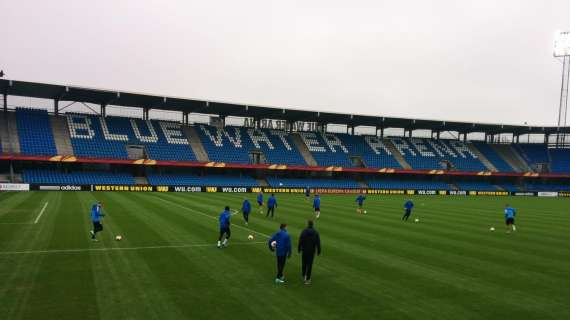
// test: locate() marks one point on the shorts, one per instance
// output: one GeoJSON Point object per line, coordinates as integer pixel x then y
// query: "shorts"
{"type": "Point", "coordinates": [360, 205]}
{"type": "Point", "coordinates": [317, 209]}
{"type": "Point", "coordinates": [510, 221]}
{"type": "Point", "coordinates": [260, 203]}
{"type": "Point", "coordinates": [97, 226]}
{"type": "Point", "coordinates": [225, 230]}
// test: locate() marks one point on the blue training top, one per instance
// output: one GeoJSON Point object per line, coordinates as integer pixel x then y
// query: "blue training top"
{"type": "Point", "coordinates": [409, 204]}
{"type": "Point", "coordinates": [246, 206]}
{"type": "Point", "coordinates": [317, 202]}
{"type": "Point", "coordinates": [360, 199]}
{"type": "Point", "coordinates": [260, 198]}
{"type": "Point", "coordinates": [225, 219]}
{"type": "Point", "coordinates": [283, 240]}
{"type": "Point", "coordinates": [510, 213]}
{"type": "Point", "coordinates": [95, 213]}
{"type": "Point", "coordinates": [271, 202]}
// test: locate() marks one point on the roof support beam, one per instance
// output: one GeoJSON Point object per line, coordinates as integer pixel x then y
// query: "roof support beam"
{"type": "Point", "coordinates": [56, 107]}
{"type": "Point", "coordinates": [145, 113]}
{"type": "Point", "coordinates": [5, 99]}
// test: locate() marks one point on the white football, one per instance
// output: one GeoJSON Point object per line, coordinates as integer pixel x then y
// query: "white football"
{"type": "Point", "coordinates": [492, 229]}
{"type": "Point", "coordinates": [119, 238]}
{"type": "Point", "coordinates": [250, 237]}
{"type": "Point", "coordinates": [273, 244]}
{"type": "Point", "coordinates": [364, 211]}
{"type": "Point", "coordinates": [417, 220]}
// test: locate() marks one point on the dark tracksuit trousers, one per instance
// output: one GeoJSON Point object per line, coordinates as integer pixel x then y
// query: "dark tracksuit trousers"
{"type": "Point", "coordinates": [309, 244]}
{"type": "Point", "coordinates": [281, 265]}
{"type": "Point", "coordinates": [97, 227]}
{"type": "Point", "coordinates": [270, 210]}
{"type": "Point", "coordinates": [407, 214]}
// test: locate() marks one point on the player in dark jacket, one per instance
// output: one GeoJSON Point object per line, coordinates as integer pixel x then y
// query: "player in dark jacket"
{"type": "Point", "coordinates": [309, 243]}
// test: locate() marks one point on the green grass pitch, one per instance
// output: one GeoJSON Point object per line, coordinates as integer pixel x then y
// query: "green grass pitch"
{"type": "Point", "coordinates": [373, 266]}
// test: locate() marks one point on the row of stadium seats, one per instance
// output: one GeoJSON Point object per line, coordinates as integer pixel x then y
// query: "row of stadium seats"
{"type": "Point", "coordinates": [434, 154]}
{"type": "Point", "coordinates": [560, 160]}
{"type": "Point", "coordinates": [533, 153]}
{"type": "Point", "coordinates": [408, 184]}
{"type": "Point", "coordinates": [76, 178]}
{"type": "Point", "coordinates": [96, 137]}
{"type": "Point", "coordinates": [547, 187]}
{"type": "Point", "coordinates": [35, 132]}
{"type": "Point", "coordinates": [195, 180]}
{"type": "Point", "coordinates": [55, 177]}
{"type": "Point", "coordinates": [234, 144]}
{"type": "Point", "coordinates": [312, 183]}
{"type": "Point", "coordinates": [336, 149]}
{"type": "Point", "coordinates": [487, 150]}
{"type": "Point", "coordinates": [479, 186]}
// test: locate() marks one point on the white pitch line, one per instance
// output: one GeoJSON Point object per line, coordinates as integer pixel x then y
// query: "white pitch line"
{"type": "Point", "coordinates": [41, 212]}
{"type": "Point", "coordinates": [174, 246]}
{"type": "Point", "coordinates": [211, 217]}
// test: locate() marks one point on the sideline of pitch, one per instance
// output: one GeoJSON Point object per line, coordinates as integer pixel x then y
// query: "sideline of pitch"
{"type": "Point", "coordinates": [174, 246]}
{"type": "Point", "coordinates": [209, 216]}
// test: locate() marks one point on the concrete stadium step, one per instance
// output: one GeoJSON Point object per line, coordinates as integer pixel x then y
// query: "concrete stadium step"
{"type": "Point", "coordinates": [141, 181]}
{"type": "Point", "coordinates": [396, 154]}
{"type": "Point", "coordinates": [9, 133]}
{"type": "Point", "coordinates": [482, 158]}
{"type": "Point", "coordinates": [302, 147]}
{"type": "Point", "coordinates": [262, 182]}
{"type": "Point", "coordinates": [195, 143]}
{"type": "Point", "coordinates": [512, 157]}
{"type": "Point", "coordinates": [61, 135]}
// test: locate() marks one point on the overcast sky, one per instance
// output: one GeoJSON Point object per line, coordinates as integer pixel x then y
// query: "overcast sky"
{"type": "Point", "coordinates": [483, 60]}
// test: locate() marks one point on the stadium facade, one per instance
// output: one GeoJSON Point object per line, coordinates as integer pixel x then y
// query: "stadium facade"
{"type": "Point", "coordinates": [276, 149]}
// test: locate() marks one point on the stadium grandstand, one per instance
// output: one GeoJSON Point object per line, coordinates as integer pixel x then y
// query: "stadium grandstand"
{"type": "Point", "coordinates": [275, 147]}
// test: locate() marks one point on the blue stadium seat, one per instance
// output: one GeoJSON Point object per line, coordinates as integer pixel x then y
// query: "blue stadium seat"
{"type": "Point", "coordinates": [476, 186]}
{"type": "Point", "coordinates": [511, 187]}
{"type": "Point", "coordinates": [407, 184]}
{"type": "Point", "coordinates": [429, 154]}
{"type": "Point", "coordinates": [97, 137]}
{"type": "Point", "coordinates": [533, 153]}
{"type": "Point", "coordinates": [560, 160]}
{"type": "Point", "coordinates": [537, 186]}
{"type": "Point", "coordinates": [312, 183]}
{"type": "Point", "coordinates": [76, 178]}
{"type": "Point", "coordinates": [336, 149]}
{"type": "Point", "coordinates": [493, 157]}
{"type": "Point", "coordinates": [234, 144]}
{"type": "Point", "coordinates": [195, 180]}
{"type": "Point", "coordinates": [35, 133]}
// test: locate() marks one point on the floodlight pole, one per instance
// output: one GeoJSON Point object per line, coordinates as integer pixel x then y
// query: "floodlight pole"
{"type": "Point", "coordinates": [563, 108]}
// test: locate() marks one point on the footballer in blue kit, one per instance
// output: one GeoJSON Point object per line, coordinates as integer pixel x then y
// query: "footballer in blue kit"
{"type": "Point", "coordinates": [360, 201]}
{"type": "Point", "coordinates": [260, 201]}
{"type": "Point", "coordinates": [225, 231]}
{"type": "Point", "coordinates": [510, 214]}
{"type": "Point", "coordinates": [317, 205]}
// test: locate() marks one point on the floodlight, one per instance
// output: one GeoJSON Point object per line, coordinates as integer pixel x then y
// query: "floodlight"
{"type": "Point", "coordinates": [562, 44]}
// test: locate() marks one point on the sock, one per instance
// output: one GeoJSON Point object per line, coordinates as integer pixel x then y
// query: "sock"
{"type": "Point", "coordinates": [514, 228]}
{"type": "Point", "coordinates": [225, 241]}
{"type": "Point", "coordinates": [219, 243]}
